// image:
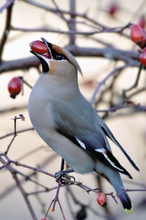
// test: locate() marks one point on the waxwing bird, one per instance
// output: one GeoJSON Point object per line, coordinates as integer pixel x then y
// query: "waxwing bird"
{"type": "Point", "coordinates": [68, 123]}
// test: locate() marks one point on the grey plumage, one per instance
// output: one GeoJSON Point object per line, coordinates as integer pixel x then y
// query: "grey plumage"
{"type": "Point", "coordinates": [68, 123]}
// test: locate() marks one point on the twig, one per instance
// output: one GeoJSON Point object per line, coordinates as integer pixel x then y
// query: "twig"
{"type": "Point", "coordinates": [19, 185]}
{"type": "Point", "coordinates": [25, 178]}
{"type": "Point", "coordinates": [19, 131]}
{"type": "Point", "coordinates": [7, 27]}
{"type": "Point", "coordinates": [15, 131]}
{"type": "Point", "coordinates": [25, 197]}
{"type": "Point", "coordinates": [26, 83]}
{"type": "Point", "coordinates": [56, 200]}
{"type": "Point", "coordinates": [115, 108]}
{"type": "Point", "coordinates": [6, 5]}
{"type": "Point", "coordinates": [59, 31]}
{"type": "Point", "coordinates": [102, 82]}
{"type": "Point", "coordinates": [30, 167]}
{"type": "Point", "coordinates": [71, 22]}
{"type": "Point", "coordinates": [135, 83]}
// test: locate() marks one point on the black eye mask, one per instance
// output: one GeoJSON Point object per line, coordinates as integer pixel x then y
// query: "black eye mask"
{"type": "Point", "coordinates": [55, 54]}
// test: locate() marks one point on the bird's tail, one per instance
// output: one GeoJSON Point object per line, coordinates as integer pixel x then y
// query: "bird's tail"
{"type": "Point", "coordinates": [114, 178]}
{"type": "Point", "coordinates": [126, 202]}
{"type": "Point", "coordinates": [122, 194]}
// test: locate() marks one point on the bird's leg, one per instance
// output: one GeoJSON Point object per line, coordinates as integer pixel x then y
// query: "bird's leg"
{"type": "Point", "coordinates": [63, 176]}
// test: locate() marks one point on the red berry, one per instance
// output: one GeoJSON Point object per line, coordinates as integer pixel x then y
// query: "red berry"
{"type": "Point", "coordinates": [38, 46]}
{"type": "Point", "coordinates": [113, 8]}
{"type": "Point", "coordinates": [142, 21]}
{"type": "Point", "coordinates": [15, 86]}
{"type": "Point", "coordinates": [138, 35]}
{"type": "Point", "coordinates": [102, 199]}
{"type": "Point", "coordinates": [143, 57]}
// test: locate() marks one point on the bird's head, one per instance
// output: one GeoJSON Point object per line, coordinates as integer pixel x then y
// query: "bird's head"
{"type": "Point", "coordinates": [54, 59]}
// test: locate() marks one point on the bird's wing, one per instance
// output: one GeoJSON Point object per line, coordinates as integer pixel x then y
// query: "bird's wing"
{"type": "Point", "coordinates": [81, 132]}
{"type": "Point", "coordinates": [109, 134]}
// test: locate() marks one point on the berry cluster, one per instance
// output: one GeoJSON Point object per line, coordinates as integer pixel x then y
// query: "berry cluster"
{"type": "Point", "coordinates": [138, 36]}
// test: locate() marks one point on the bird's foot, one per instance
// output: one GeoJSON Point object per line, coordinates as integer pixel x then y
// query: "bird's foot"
{"type": "Point", "coordinates": [64, 177]}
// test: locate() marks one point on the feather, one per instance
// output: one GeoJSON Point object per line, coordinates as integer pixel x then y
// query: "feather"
{"type": "Point", "coordinates": [109, 134]}
{"type": "Point", "coordinates": [102, 154]}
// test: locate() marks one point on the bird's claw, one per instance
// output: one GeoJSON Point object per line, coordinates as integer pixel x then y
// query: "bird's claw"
{"type": "Point", "coordinates": [64, 177]}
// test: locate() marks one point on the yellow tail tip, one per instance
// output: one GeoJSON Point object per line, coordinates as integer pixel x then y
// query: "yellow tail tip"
{"type": "Point", "coordinates": [128, 210]}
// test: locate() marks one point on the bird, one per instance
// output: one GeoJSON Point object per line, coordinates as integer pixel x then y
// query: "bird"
{"type": "Point", "coordinates": [68, 123]}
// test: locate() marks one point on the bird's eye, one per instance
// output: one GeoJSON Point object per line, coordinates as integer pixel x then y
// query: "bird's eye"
{"type": "Point", "coordinates": [60, 57]}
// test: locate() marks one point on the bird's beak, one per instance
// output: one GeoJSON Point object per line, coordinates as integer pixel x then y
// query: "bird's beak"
{"type": "Point", "coordinates": [47, 45]}
{"type": "Point", "coordinates": [46, 51]}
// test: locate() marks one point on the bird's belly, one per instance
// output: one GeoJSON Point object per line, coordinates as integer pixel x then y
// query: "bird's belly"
{"type": "Point", "coordinates": [43, 123]}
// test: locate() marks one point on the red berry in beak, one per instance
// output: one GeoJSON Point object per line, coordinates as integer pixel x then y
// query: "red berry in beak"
{"type": "Point", "coordinates": [38, 47]}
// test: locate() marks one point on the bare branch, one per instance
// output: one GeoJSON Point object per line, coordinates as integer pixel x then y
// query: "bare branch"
{"type": "Point", "coordinates": [7, 27]}
{"type": "Point", "coordinates": [6, 5]}
{"type": "Point", "coordinates": [24, 63]}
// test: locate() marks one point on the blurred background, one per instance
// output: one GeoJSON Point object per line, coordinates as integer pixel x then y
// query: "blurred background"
{"type": "Point", "coordinates": [97, 32]}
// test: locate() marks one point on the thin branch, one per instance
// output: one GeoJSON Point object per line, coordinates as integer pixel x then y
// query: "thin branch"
{"type": "Point", "coordinates": [135, 83]}
{"type": "Point", "coordinates": [102, 82]}
{"type": "Point", "coordinates": [15, 131]}
{"type": "Point", "coordinates": [25, 177]}
{"type": "Point", "coordinates": [71, 22]}
{"type": "Point", "coordinates": [31, 168]}
{"type": "Point", "coordinates": [6, 5]}
{"type": "Point", "coordinates": [19, 131]}
{"type": "Point", "coordinates": [19, 185]}
{"type": "Point", "coordinates": [59, 31]}
{"type": "Point", "coordinates": [7, 28]}
{"type": "Point", "coordinates": [32, 212]}
{"type": "Point", "coordinates": [19, 64]}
